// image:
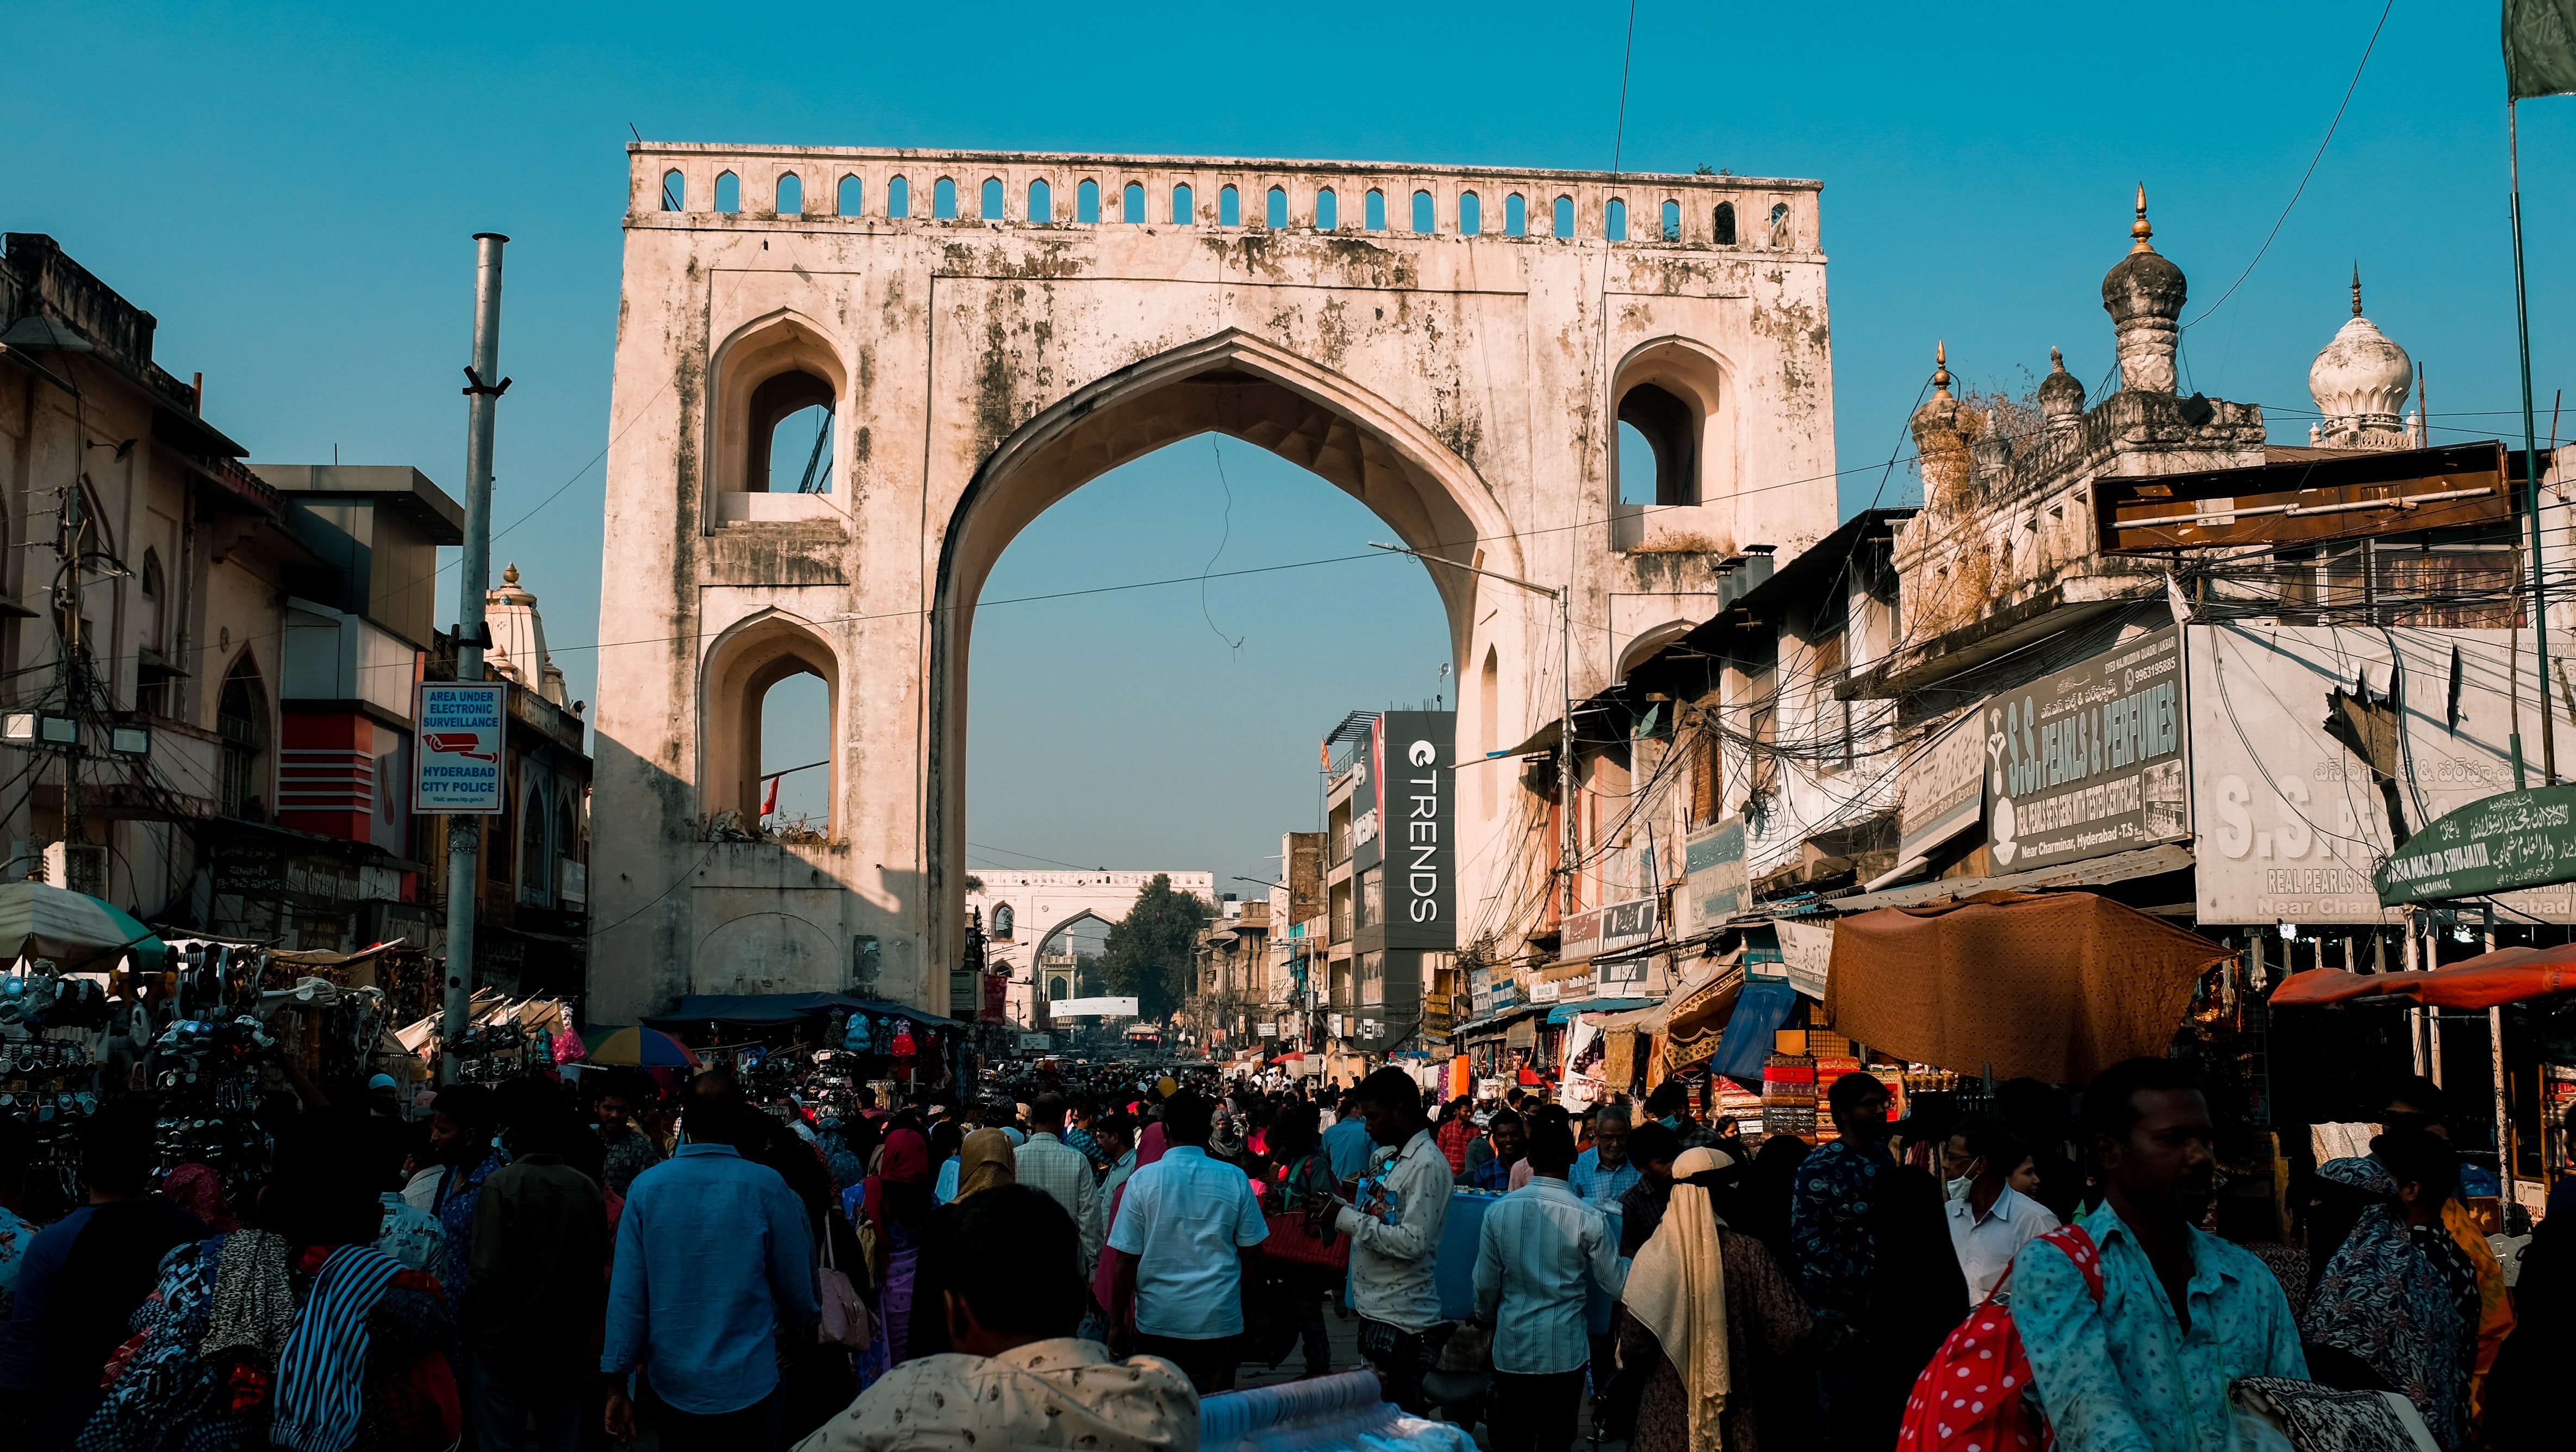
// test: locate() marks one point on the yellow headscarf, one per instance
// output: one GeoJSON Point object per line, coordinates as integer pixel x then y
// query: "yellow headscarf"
{"type": "Point", "coordinates": [1677, 1290]}
{"type": "Point", "coordinates": [985, 1161]}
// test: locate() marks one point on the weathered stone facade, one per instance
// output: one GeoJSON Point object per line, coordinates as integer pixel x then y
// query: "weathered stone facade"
{"type": "Point", "coordinates": [1020, 324]}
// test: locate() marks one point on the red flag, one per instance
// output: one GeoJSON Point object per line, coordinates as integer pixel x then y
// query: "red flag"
{"type": "Point", "coordinates": [769, 802]}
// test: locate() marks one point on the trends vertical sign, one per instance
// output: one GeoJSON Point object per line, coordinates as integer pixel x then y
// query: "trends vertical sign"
{"type": "Point", "coordinates": [1413, 770]}
{"type": "Point", "coordinates": [457, 769]}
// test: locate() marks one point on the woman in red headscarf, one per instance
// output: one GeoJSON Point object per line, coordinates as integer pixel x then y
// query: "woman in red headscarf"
{"type": "Point", "coordinates": [1149, 1148]}
{"type": "Point", "coordinates": [898, 1206]}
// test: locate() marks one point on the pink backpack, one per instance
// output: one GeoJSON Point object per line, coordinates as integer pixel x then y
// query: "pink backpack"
{"type": "Point", "coordinates": [1975, 1395]}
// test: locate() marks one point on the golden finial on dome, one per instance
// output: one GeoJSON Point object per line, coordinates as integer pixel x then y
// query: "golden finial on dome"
{"type": "Point", "coordinates": [2139, 229]}
{"type": "Point", "coordinates": [1941, 366]}
{"type": "Point", "coordinates": [510, 576]}
{"type": "Point", "coordinates": [2356, 289]}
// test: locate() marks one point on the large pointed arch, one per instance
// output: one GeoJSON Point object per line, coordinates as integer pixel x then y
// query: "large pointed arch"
{"type": "Point", "coordinates": [1245, 387]}
{"type": "Point", "coordinates": [741, 664]}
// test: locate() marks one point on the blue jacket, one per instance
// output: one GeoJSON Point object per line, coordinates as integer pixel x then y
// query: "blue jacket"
{"type": "Point", "coordinates": [713, 1261]}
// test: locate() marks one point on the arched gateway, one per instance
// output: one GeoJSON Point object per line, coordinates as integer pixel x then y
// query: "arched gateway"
{"type": "Point", "coordinates": [972, 364]}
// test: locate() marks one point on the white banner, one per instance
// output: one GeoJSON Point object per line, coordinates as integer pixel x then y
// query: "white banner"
{"type": "Point", "coordinates": [1102, 1007]}
{"type": "Point", "coordinates": [2289, 821]}
{"type": "Point", "coordinates": [1943, 788]}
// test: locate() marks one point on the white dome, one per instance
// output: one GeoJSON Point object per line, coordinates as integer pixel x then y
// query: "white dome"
{"type": "Point", "coordinates": [2361, 372]}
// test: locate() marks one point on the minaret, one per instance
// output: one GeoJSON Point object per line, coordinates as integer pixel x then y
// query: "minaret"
{"type": "Point", "coordinates": [2061, 397]}
{"type": "Point", "coordinates": [2144, 295]}
{"type": "Point", "coordinates": [518, 650]}
{"type": "Point", "coordinates": [2360, 382]}
{"type": "Point", "coordinates": [1943, 430]}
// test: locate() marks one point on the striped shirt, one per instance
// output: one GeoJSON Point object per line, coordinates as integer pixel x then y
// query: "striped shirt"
{"type": "Point", "coordinates": [1538, 1255]}
{"type": "Point", "coordinates": [1049, 1164]}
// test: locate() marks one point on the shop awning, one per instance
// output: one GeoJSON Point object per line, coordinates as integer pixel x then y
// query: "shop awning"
{"type": "Point", "coordinates": [2507, 975]}
{"type": "Point", "coordinates": [80, 933]}
{"type": "Point", "coordinates": [1760, 1008]}
{"type": "Point", "coordinates": [2093, 872]}
{"type": "Point", "coordinates": [1566, 1012]}
{"type": "Point", "coordinates": [2049, 986]}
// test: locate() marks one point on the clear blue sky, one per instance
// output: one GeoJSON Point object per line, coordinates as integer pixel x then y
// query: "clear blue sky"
{"type": "Point", "coordinates": [292, 191]}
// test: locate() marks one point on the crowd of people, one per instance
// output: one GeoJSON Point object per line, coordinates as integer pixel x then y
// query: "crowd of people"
{"type": "Point", "coordinates": [1075, 1259]}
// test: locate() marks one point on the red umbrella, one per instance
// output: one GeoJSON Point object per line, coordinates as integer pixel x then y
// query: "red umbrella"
{"type": "Point", "coordinates": [1293, 1056]}
{"type": "Point", "coordinates": [2507, 975]}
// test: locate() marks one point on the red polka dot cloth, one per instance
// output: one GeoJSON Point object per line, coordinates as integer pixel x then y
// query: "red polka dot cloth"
{"type": "Point", "coordinates": [1975, 1395]}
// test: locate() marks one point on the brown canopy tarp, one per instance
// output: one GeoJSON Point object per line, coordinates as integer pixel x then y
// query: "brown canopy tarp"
{"type": "Point", "coordinates": [2053, 986]}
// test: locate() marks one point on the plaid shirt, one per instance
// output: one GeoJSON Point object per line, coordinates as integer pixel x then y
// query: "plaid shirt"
{"type": "Point", "coordinates": [1601, 1188]}
{"type": "Point", "coordinates": [1048, 1163]}
{"type": "Point", "coordinates": [1083, 1140]}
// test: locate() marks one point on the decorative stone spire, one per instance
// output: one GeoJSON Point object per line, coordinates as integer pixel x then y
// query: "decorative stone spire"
{"type": "Point", "coordinates": [2144, 294]}
{"type": "Point", "coordinates": [1943, 430]}
{"type": "Point", "coordinates": [2061, 397]}
{"type": "Point", "coordinates": [2360, 382]}
{"type": "Point", "coordinates": [519, 638]}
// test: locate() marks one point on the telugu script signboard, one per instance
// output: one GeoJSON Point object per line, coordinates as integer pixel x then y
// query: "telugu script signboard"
{"type": "Point", "coordinates": [2088, 761]}
{"type": "Point", "coordinates": [457, 770]}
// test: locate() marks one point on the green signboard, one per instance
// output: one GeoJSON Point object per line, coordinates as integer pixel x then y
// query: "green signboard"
{"type": "Point", "coordinates": [2494, 844]}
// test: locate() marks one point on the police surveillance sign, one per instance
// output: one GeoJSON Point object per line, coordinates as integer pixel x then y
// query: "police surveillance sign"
{"type": "Point", "coordinates": [457, 770]}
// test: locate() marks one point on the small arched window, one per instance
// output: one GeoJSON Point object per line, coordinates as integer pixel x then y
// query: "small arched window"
{"type": "Point", "coordinates": [241, 723]}
{"type": "Point", "coordinates": [1275, 207]}
{"type": "Point", "coordinates": [1515, 216]}
{"type": "Point", "coordinates": [1328, 209]}
{"type": "Point", "coordinates": [675, 192]}
{"type": "Point", "coordinates": [1672, 221]}
{"type": "Point", "coordinates": [567, 849]}
{"type": "Point", "coordinates": [1003, 920]}
{"type": "Point", "coordinates": [1780, 237]}
{"type": "Point", "coordinates": [791, 194]}
{"type": "Point", "coordinates": [1614, 221]}
{"type": "Point", "coordinates": [1424, 218]}
{"type": "Point", "coordinates": [1564, 218]}
{"type": "Point", "coordinates": [943, 200]}
{"type": "Point", "coordinates": [1471, 215]}
{"type": "Point", "coordinates": [992, 199]}
{"type": "Point", "coordinates": [1131, 204]}
{"type": "Point", "coordinates": [536, 864]}
{"type": "Point", "coordinates": [728, 192]}
{"type": "Point", "coordinates": [1086, 202]}
{"type": "Point", "coordinates": [1041, 202]}
{"type": "Point", "coordinates": [854, 195]}
{"type": "Point", "coordinates": [1229, 207]}
{"type": "Point", "coordinates": [1374, 206]}
{"type": "Point", "coordinates": [1722, 224]}
{"type": "Point", "coordinates": [1185, 205]}
{"type": "Point", "coordinates": [898, 198]}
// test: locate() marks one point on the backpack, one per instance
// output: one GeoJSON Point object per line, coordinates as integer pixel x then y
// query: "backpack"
{"type": "Point", "coordinates": [1976, 1392]}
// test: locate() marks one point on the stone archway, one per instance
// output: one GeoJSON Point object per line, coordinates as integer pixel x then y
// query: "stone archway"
{"type": "Point", "coordinates": [1459, 380]}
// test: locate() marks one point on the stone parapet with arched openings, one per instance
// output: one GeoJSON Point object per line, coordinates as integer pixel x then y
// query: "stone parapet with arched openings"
{"type": "Point", "coordinates": [1460, 385]}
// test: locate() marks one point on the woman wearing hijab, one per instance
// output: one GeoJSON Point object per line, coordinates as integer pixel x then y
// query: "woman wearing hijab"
{"type": "Point", "coordinates": [2396, 1308]}
{"type": "Point", "coordinates": [897, 1200]}
{"type": "Point", "coordinates": [985, 1162]}
{"type": "Point", "coordinates": [1714, 1321]}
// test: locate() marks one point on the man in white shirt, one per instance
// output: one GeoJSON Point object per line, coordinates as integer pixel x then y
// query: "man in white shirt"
{"type": "Point", "coordinates": [1186, 1238]}
{"type": "Point", "coordinates": [1538, 1255]}
{"type": "Point", "coordinates": [1990, 1221]}
{"type": "Point", "coordinates": [1048, 1163]}
{"type": "Point", "coordinates": [1395, 1232]}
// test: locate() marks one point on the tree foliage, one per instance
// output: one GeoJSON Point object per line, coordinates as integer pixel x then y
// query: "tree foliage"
{"type": "Point", "coordinates": [1149, 951]}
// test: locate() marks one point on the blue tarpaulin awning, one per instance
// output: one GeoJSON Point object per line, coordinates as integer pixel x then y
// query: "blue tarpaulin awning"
{"type": "Point", "coordinates": [765, 1010]}
{"type": "Point", "coordinates": [1564, 1013]}
{"type": "Point", "coordinates": [1760, 1009]}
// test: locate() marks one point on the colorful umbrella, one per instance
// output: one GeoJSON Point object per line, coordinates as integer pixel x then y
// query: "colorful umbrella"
{"type": "Point", "coordinates": [79, 932]}
{"type": "Point", "coordinates": [643, 1048]}
{"type": "Point", "coordinates": [2507, 975]}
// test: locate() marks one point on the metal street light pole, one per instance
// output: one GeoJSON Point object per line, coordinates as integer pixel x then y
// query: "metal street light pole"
{"type": "Point", "coordinates": [483, 395]}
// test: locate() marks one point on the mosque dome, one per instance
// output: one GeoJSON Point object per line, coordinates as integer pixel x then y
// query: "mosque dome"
{"type": "Point", "coordinates": [2360, 382]}
{"type": "Point", "coordinates": [2145, 285]}
{"type": "Point", "coordinates": [1941, 412]}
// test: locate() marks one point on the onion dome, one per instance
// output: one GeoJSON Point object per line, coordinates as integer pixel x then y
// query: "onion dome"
{"type": "Point", "coordinates": [2061, 394]}
{"type": "Point", "coordinates": [2360, 382]}
{"type": "Point", "coordinates": [1940, 412]}
{"type": "Point", "coordinates": [2144, 294]}
{"type": "Point", "coordinates": [1943, 429]}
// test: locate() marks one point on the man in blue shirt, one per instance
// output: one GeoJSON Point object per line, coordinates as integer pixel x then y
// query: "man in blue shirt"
{"type": "Point", "coordinates": [1602, 1173]}
{"type": "Point", "coordinates": [1509, 1135]}
{"type": "Point", "coordinates": [1538, 1255]}
{"type": "Point", "coordinates": [713, 1263]}
{"type": "Point", "coordinates": [1188, 1232]}
{"type": "Point", "coordinates": [1346, 1144]}
{"type": "Point", "coordinates": [2182, 1314]}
